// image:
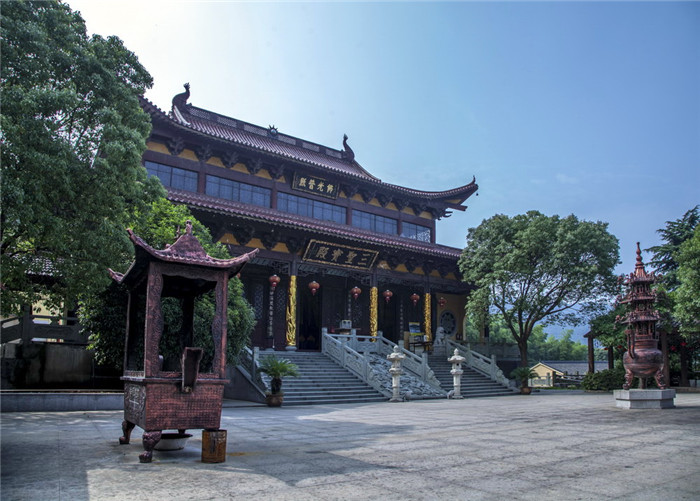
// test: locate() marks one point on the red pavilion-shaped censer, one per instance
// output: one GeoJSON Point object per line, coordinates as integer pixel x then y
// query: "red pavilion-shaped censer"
{"type": "Point", "coordinates": [643, 358]}
{"type": "Point", "coordinates": [174, 395]}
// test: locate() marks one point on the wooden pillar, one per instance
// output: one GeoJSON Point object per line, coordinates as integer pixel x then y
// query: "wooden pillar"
{"type": "Point", "coordinates": [427, 317]}
{"type": "Point", "coordinates": [220, 325]}
{"type": "Point", "coordinates": [154, 321]}
{"type": "Point", "coordinates": [373, 310]}
{"type": "Point", "coordinates": [291, 339]}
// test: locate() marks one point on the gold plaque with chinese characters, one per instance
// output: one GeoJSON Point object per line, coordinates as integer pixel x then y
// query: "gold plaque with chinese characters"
{"type": "Point", "coordinates": [315, 185]}
{"type": "Point", "coordinates": [340, 255]}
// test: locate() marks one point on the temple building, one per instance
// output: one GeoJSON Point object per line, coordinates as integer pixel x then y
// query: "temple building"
{"type": "Point", "coordinates": [338, 248]}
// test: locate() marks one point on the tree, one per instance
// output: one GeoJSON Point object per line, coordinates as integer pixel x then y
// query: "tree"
{"type": "Point", "coordinates": [677, 292]}
{"type": "Point", "coordinates": [687, 295]}
{"type": "Point", "coordinates": [665, 256]}
{"type": "Point", "coordinates": [609, 333]}
{"type": "Point", "coordinates": [532, 269]}
{"type": "Point", "coordinates": [103, 315]}
{"type": "Point", "coordinates": [73, 133]}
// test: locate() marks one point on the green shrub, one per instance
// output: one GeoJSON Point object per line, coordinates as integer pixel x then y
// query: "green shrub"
{"type": "Point", "coordinates": [607, 380]}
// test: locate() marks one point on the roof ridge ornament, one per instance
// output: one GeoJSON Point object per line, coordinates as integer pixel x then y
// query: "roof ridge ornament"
{"type": "Point", "coordinates": [347, 152]}
{"type": "Point", "coordinates": [180, 100]}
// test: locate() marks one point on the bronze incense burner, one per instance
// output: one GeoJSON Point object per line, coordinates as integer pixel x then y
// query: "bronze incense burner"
{"type": "Point", "coordinates": [643, 358]}
{"type": "Point", "coordinates": [158, 398]}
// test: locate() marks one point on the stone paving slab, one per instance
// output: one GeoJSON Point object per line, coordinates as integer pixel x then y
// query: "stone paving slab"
{"type": "Point", "coordinates": [547, 446]}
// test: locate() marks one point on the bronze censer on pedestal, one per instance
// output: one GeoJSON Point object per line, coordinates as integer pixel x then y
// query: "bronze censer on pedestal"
{"type": "Point", "coordinates": [643, 358]}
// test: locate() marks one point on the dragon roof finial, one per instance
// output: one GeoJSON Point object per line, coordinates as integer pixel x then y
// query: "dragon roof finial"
{"type": "Point", "coordinates": [180, 100]}
{"type": "Point", "coordinates": [347, 153]}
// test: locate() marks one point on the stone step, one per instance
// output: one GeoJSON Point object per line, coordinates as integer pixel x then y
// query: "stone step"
{"type": "Point", "coordinates": [322, 381]}
{"type": "Point", "coordinates": [473, 383]}
{"type": "Point", "coordinates": [333, 401]}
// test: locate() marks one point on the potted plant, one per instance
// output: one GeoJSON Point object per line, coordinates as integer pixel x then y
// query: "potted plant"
{"type": "Point", "coordinates": [277, 368]}
{"type": "Point", "coordinates": [524, 374]}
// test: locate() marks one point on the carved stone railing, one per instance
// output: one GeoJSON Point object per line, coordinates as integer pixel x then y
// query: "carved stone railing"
{"type": "Point", "coordinates": [337, 347]}
{"type": "Point", "coordinates": [479, 362]}
{"type": "Point", "coordinates": [248, 365]}
{"type": "Point", "coordinates": [42, 327]}
{"type": "Point", "coordinates": [417, 365]}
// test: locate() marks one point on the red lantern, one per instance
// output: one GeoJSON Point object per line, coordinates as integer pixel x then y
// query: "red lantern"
{"type": "Point", "coordinates": [442, 302]}
{"type": "Point", "coordinates": [387, 295]}
{"type": "Point", "coordinates": [415, 297]}
{"type": "Point", "coordinates": [355, 291]}
{"type": "Point", "coordinates": [313, 287]}
{"type": "Point", "coordinates": [274, 280]}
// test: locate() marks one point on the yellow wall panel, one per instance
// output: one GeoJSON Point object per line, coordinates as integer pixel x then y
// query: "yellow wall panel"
{"type": "Point", "coordinates": [189, 155]}
{"type": "Point", "coordinates": [157, 147]}
{"type": "Point", "coordinates": [281, 248]}
{"type": "Point", "coordinates": [255, 243]}
{"type": "Point", "coordinates": [228, 239]}
{"type": "Point", "coordinates": [216, 161]}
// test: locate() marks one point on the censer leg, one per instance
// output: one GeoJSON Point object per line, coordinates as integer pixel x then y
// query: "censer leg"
{"type": "Point", "coordinates": [127, 427]}
{"type": "Point", "coordinates": [659, 378]}
{"type": "Point", "coordinates": [150, 439]}
{"type": "Point", "coordinates": [628, 379]}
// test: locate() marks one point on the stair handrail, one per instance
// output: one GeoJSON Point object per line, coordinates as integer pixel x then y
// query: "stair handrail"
{"type": "Point", "coordinates": [339, 351]}
{"type": "Point", "coordinates": [479, 362]}
{"type": "Point", "coordinates": [418, 365]}
{"type": "Point", "coordinates": [249, 363]}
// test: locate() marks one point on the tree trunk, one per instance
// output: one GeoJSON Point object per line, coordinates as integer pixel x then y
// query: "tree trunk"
{"type": "Point", "coordinates": [522, 346]}
{"type": "Point", "coordinates": [591, 357]}
{"type": "Point", "coordinates": [684, 367]}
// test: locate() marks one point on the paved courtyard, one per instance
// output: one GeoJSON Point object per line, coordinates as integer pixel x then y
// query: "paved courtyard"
{"type": "Point", "coordinates": [547, 446]}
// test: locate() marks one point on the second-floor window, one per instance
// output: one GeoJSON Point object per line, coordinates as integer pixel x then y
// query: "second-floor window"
{"type": "Point", "coordinates": [415, 231]}
{"type": "Point", "coordinates": [172, 177]}
{"type": "Point", "coordinates": [310, 208]}
{"type": "Point", "coordinates": [373, 222]}
{"type": "Point", "coordinates": [238, 192]}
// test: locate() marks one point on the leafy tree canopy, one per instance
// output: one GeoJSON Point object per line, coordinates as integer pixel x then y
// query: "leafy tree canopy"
{"type": "Point", "coordinates": [103, 315]}
{"type": "Point", "coordinates": [677, 258]}
{"type": "Point", "coordinates": [532, 269]}
{"type": "Point", "coordinates": [665, 256]}
{"type": "Point", "coordinates": [687, 295]}
{"type": "Point", "coordinates": [608, 332]}
{"type": "Point", "coordinates": [72, 138]}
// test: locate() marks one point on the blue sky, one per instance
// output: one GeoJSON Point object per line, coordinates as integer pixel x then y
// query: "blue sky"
{"type": "Point", "coordinates": [588, 108]}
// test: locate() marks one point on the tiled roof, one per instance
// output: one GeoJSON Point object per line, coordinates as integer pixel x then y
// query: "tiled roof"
{"type": "Point", "coordinates": [315, 226]}
{"type": "Point", "coordinates": [186, 250]}
{"type": "Point", "coordinates": [258, 138]}
{"type": "Point", "coordinates": [571, 367]}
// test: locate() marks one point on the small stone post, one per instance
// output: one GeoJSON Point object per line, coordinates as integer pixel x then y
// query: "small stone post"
{"type": "Point", "coordinates": [395, 358]}
{"type": "Point", "coordinates": [456, 361]}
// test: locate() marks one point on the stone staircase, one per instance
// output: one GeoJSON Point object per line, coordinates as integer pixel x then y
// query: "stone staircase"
{"type": "Point", "coordinates": [474, 383]}
{"type": "Point", "coordinates": [322, 381]}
